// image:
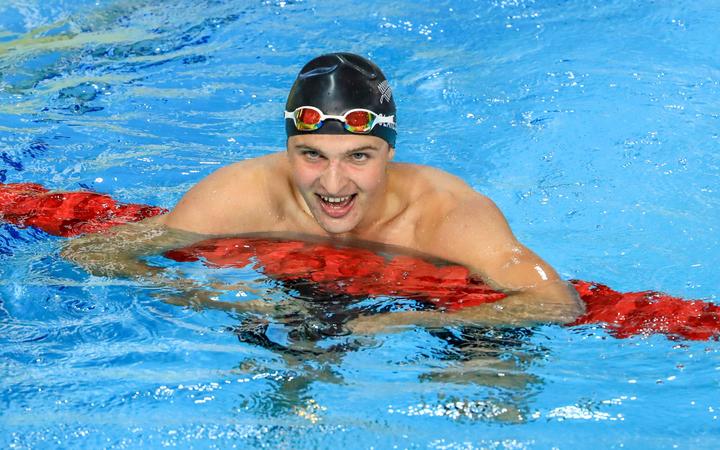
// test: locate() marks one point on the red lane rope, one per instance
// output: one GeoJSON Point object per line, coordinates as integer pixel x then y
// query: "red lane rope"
{"type": "Point", "coordinates": [356, 271]}
{"type": "Point", "coordinates": [66, 213]}
{"type": "Point", "coordinates": [350, 270]}
{"type": "Point", "coordinates": [648, 312]}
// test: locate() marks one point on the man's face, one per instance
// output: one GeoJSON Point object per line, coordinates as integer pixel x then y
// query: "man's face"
{"type": "Point", "coordinates": [341, 178]}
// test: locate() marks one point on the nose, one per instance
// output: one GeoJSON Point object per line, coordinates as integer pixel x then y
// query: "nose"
{"type": "Point", "coordinates": [333, 178]}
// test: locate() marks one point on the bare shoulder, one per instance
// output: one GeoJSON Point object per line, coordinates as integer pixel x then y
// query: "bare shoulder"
{"type": "Point", "coordinates": [462, 225]}
{"type": "Point", "coordinates": [444, 198]}
{"type": "Point", "coordinates": [428, 180]}
{"type": "Point", "coordinates": [222, 202]}
{"type": "Point", "coordinates": [454, 215]}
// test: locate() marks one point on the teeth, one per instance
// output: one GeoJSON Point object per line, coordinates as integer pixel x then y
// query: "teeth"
{"type": "Point", "coordinates": [335, 199]}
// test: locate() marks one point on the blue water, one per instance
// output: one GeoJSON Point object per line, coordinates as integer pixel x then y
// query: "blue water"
{"type": "Point", "coordinates": [593, 125]}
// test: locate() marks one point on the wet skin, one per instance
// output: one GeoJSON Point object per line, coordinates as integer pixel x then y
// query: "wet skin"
{"type": "Point", "coordinates": [346, 187]}
{"type": "Point", "coordinates": [340, 181]}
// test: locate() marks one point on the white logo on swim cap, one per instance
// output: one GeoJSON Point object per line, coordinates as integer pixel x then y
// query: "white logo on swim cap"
{"type": "Point", "coordinates": [385, 91]}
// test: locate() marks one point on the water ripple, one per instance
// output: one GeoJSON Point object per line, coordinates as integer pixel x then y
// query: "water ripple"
{"type": "Point", "coordinates": [593, 125]}
{"type": "Point", "coordinates": [13, 333]}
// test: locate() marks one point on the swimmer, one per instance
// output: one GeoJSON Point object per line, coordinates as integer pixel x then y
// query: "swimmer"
{"type": "Point", "coordinates": [337, 179]}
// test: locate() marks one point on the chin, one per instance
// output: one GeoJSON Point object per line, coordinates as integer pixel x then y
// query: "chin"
{"type": "Point", "coordinates": [337, 229]}
{"type": "Point", "coordinates": [343, 225]}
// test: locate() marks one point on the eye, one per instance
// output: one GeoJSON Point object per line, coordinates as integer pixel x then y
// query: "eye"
{"type": "Point", "coordinates": [312, 155]}
{"type": "Point", "coordinates": [359, 157]}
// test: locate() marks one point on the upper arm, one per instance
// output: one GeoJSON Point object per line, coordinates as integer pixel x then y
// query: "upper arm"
{"type": "Point", "coordinates": [488, 247]}
{"type": "Point", "coordinates": [477, 235]}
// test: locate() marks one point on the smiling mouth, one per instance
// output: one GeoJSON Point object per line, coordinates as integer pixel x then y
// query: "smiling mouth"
{"type": "Point", "coordinates": [336, 207]}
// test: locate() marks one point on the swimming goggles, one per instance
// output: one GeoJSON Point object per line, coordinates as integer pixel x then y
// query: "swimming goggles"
{"type": "Point", "coordinates": [362, 121]}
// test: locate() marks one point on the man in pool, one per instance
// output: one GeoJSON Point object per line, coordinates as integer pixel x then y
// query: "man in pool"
{"type": "Point", "coordinates": [337, 179]}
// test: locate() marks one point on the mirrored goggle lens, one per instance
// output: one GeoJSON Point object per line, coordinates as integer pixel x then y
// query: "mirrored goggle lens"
{"type": "Point", "coordinates": [359, 121]}
{"type": "Point", "coordinates": [307, 119]}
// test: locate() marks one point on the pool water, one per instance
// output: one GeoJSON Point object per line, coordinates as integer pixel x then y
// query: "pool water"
{"type": "Point", "coordinates": [593, 125]}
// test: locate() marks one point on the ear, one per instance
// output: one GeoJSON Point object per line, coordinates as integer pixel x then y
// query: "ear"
{"type": "Point", "coordinates": [391, 153]}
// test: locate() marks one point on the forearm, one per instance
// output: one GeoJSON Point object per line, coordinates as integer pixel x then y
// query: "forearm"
{"type": "Point", "coordinates": [119, 265]}
{"type": "Point", "coordinates": [119, 252]}
{"type": "Point", "coordinates": [553, 302]}
{"type": "Point", "coordinates": [556, 303]}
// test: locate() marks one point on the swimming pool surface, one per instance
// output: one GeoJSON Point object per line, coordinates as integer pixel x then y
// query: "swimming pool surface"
{"type": "Point", "coordinates": [593, 125]}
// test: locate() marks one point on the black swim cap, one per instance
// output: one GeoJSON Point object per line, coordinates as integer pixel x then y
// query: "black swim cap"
{"type": "Point", "coordinates": [336, 83]}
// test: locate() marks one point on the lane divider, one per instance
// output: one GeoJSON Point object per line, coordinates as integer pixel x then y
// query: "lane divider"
{"type": "Point", "coordinates": [356, 271]}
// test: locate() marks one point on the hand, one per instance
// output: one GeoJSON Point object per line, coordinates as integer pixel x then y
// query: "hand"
{"type": "Point", "coordinates": [366, 325]}
{"type": "Point", "coordinates": [397, 321]}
